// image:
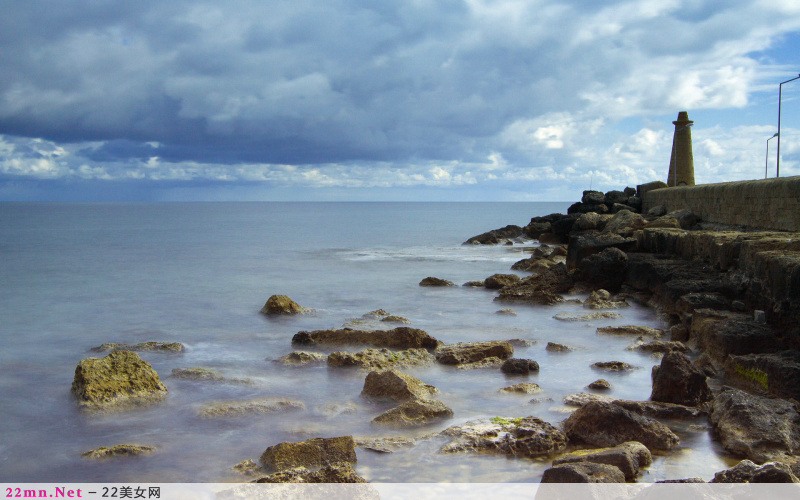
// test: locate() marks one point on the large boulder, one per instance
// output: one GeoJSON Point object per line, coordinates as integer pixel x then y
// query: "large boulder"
{"type": "Point", "coordinates": [399, 338]}
{"type": "Point", "coordinates": [605, 269]}
{"type": "Point", "coordinates": [527, 437]}
{"type": "Point", "coordinates": [583, 472]}
{"type": "Point", "coordinates": [543, 288]}
{"type": "Point", "coordinates": [119, 379]}
{"type": "Point", "coordinates": [615, 196]}
{"type": "Point", "coordinates": [593, 197]}
{"type": "Point", "coordinates": [396, 386]}
{"type": "Point", "coordinates": [721, 333]}
{"type": "Point", "coordinates": [496, 236]}
{"type": "Point", "coordinates": [624, 223]}
{"type": "Point", "coordinates": [604, 424]}
{"type": "Point", "coordinates": [472, 352]}
{"type": "Point", "coordinates": [414, 413]}
{"type": "Point", "coordinates": [316, 452]}
{"type": "Point", "coordinates": [629, 457]}
{"type": "Point", "coordinates": [281, 304]}
{"type": "Point", "coordinates": [754, 427]}
{"type": "Point", "coordinates": [678, 381]}
{"type": "Point", "coordinates": [498, 281]}
{"type": "Point", "coordinates": [586, 243]}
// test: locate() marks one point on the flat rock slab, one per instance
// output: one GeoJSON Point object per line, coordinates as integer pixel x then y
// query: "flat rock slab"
{"type": "Point", "coordinates": [316, 452]}
{"type": "Point", "coordinates": [249, 407]}
{"type": "Point", "coordinates": [299, 358]}
{"type": "Point", "coordinates": [117, 380]}
{"type": "Point", "coordinates": [381, 358]}
{"type": "Point", "coordinates": [722, 333]}
{"type": "Point", "coordinates": [173, 347]}
{"type": "Point", "coordinates": [472, 352]}
{"type": "Point", "coordinates": [754, 427]}
{"type": "Point", "coordinates": [528, 437]}
{"type": "Point", "coordinates": [565, 316]}
{"type": "Point", "coordinates": [414, 413]}
{"type": "Point", "coordinates": [604, 424]}
{"type": "Point", "coordinates": [523, 388]}
{"type": "Point", "coordinates": [778, 372]}
{"type": "Point", "coordinates": [655, 409]}
{"type": "Point", "coordinates": [399, 338]}
{"type": "Point", "coordinates": [637, 331]}
{"type": "Point", "coordinates": [120, 450]}
{"type": "Point", "coordinates": [629, 457]}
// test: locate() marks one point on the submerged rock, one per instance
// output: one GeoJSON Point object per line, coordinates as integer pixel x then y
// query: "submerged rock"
{"type": "Point", "coordinates": [142, 346]}
{"type": "Point", "coordinates": [248, 407]}
{"type": "Point", "coordinates": [414, 412]}
{"type": "Point", "coordinates": [605, 424]}
{"type": "Point", "coordinates": [472, 352]}
{"type": "Point", "coordinates": [340, 472]}
{"type": "Point", "coordinates": [316, 452]}
{"type": "Point", "coordinates": [196, 373]}
{"type": "Point", "coordinates": [396, 386]}
{"type": "Point", "coordinates": [583, 472]}
{"type": "Point", "coordinates": [498, 281]}
{"type": "Point", "coordinates": [583, 398]}
{"type": "Point", "coordinates": [601, 299]}
{"type": "Point", "coordinates": [639, 331]}
{"type": "Point", "coordinates": [657, 346]}
{"type": "Point", "coordinates": [395, 319]}
{"type": "Point", "coordinates": [384, 445]}
{"type": "Point", "coordinates": [755, 427]}
{"type": "Point", "coordinates": [523, 388]}
{"type": "Point", "coordinates": [517, 366]}
{"type": "Point", "coordinates": [431, 281]}
{"type": "Point", "coordinates": [400, 338]}
{"type": "Point", "coordinates": [298, 358]}
{"type": "Point", "coordinates": [629, 457]}
{"type": "Point", "coordinates": [565, 316]}
{"type": "Point", "coordinates": [119, 379]}
{"type": "Point", "coordinates": [381, 358]}
{"type": "Point", "coordinates": [613, 366]}
{"type": "Point", "coordinates": [678, 381]}
{"type": "Point", "coordinates": [527, 437]}
{"type": "Point", "coordinates": [554, 347]}
{"type": "Point", "coordinates": [280, 305]}
{"type": "Point", "coordinates": [120, 450]}
{"type": "Point", "coordinates": [600, 384]}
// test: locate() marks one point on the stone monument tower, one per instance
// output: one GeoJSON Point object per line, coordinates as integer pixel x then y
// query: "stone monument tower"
{"type": "Point", "coordinates": [681, 163]}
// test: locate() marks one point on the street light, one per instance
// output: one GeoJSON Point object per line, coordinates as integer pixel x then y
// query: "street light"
{"type": "Point", "coordinates": [675, 165]}
{"type": "Point", "coordinates": [766, 159]}
{"type": "Point", "coordinates": [780, 95]}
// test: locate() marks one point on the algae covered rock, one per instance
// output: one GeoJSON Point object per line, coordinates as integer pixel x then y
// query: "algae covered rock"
{"type": "Point", "coordinates": [142, 346]}
{"type": "Point", "coordinates": [249, 407]}
{"type": "Point", "coordinates": [432, 281]}
{"type": "Point", "coordinates": [472, 352]}
{"type": "Point", "coordinates": [399, 338]}
{"type": "Point", "coordinates": [316, 452]}
{"type": "Point", "coordinates": [396, 386]}
{"type": "Point", "coordinates": [281, 304]}
{"type": "Point", "coordinates": [414, 412]}
{"type": "Point", "coordinates": [381, 358]}
{"type": "Point", "coordinates": [629, 457]}
{"type": "Point", "coordinates": [120, 450]}
{"type": "Point", "coordinates": [527, 437]}
{"type": "Point", "coordinates": [119, 379]}
{"type": "Point", "coordinates": [298, 358]}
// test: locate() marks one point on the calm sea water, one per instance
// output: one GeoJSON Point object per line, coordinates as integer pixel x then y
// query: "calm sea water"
{"type": "Point", "coordinates": [78, 275]}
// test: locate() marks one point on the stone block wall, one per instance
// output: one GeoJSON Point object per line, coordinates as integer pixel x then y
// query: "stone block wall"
{"type": "Point", "coordinates": [763, 204]}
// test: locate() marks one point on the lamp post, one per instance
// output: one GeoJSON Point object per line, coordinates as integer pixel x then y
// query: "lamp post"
{"type": "Point", "coordinates": [780, 95]}
{"type": "Point", "coordinates": [675, 165]}
{"type": "Point", "coordinates": [766, 159]}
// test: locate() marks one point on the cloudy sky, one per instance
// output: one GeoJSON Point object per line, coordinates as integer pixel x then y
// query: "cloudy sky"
{"type": "Point", "coordinates": [516, 100]}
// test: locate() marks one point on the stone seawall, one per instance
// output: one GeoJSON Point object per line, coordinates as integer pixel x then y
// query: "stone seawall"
{"type": "Point", "coordinates": [762, 204]}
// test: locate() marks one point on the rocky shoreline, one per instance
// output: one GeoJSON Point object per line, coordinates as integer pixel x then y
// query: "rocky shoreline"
{"type": "Point", "coordinates": [730, 354]}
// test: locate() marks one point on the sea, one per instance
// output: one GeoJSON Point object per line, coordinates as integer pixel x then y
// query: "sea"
{"type": "Point", "coordinates": [74, 276]}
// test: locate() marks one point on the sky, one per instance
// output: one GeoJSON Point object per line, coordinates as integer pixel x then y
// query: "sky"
{"type": "Point", "coordinates": [371, 100]}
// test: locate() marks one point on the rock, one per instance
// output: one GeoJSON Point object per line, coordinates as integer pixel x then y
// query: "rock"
{"type": "Point", "coordinates": [527, 437]}
{"type": "Point", "coordinates": [490, 362]}
{"type": "Point", "coordinates": [778, 373]}
{"type": "Point", "coordinates": [593, 197]}
{"type": "Point", "coordinates": [517, 366]}
{"type": "Point", "coordinates": [601, 299]}
{"type": "Point", "coordinates": [142, 346]}
{"type": "Point", "coordinates": [657, 211]}
{"type": "Point", "coordinates": [587, 221]}
{"type": "Point", "coordinates": [474, 284]}
{"type": "Point", "coordinates": [340, 472]}
{"type": "Point", "coordinates": [535, 229]}
{"type": "Point", "coordinates": [496, 236]}
{"type": "Point", "coordinates": [121, 378]}
{"type": "Point", "coordinates": [687, 303]}
{"type": "Point", "coordinates": [624, 223]}
{"type": "Point", "coordinates": [583, 398]}
{"type": "Point", "coordinates": [587, 243]}
{"type": "Point", "coordinates": [678, 333]}
{"type": "Point", "coordinates": [706, 365]}
{"type": "Point", "coordinates": [663, 222]}
{"type": "Point", "coordinates": [562, 227]}
{"type": "Point", "coordinates": [498, 281]}
{"type": "Point", "coordinates": [471, 352]}
{"type": "Point", "coordinates": [630, 191]}
{"type": "Point", "coordinates": [753, 427]}
{"type": "Point", "coordinates": [604, 424]}
{"type": "Point", "coordinates": [615, 196]}
{"type": "Point", "coordinates": [657, 346]}
{"type": "Point", "coordinates": [661, 410]}
{"type": "Point", "coordinates": [384, 445]}
{"type": "Point", "coordinates": [377, 313]}
{"type": "Point", "coordinates": [639, 331]}
{"type": "Point", "coordinates": [600, 384]}
{"type": "Point", "coordinates": [587, 472]}
{"type": "Point", "coordinates": [297, 358]}
{"type": "Point", "coordinates": [564, 316]}
{"type": "Point", "coordinates": [685, 218]}
{"type": "Point", "coordinates": [748, 472]}
{"type": "Point", "coordinates": [613, 366]}
{"type": "Point", "coordinates": [396, 386]}
{"type": "Point", "coordinates": [413, 413]}
{"type": "Point", "coordinates": [642, 189]}
{"type": "Point", "coordinates": [332, 410]}
{"type": "Point", "coordinates": [721, 333]}
{"type": "Point", "coordinates": [120, 450]}
{"type": "Point", "coordinates": [542, 288]}
{"type": "Point", "coordinates": [248, 468]}
{"type": "Point", "coordinates": [237, 408]}
{"type": "Point", "coordinates": [431, 281]}
{"type": "Point", "coordinates": [629, 457]}
{"type": "Point", "coordinates": [523, 388]}
{"type": "Point", "coordinates": [281, 304]}
{"type": "Point", "coordinates": [381, 358]}
{"type": "Point", "coordinates": [399, 338]}
{"type": "Point", "coordinates": [506, 311]}
{"type": "Point", "coordinates": [522, 342]}
{"type": "Point", "coordinates": [554, 347]}
{"type": "Point", "coordinates": [678, 381]}
{"type": "Point", "coordinates": [316, 452]}
{"type": "Point", "coordinates": [395, 319]}
{"type": "Point", "coordinates": [605, 269]}
{"type": "Point", "coordinates": [196, 373]}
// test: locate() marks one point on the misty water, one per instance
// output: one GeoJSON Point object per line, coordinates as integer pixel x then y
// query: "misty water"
{"type": "Point", "coordinates": [75, 276]}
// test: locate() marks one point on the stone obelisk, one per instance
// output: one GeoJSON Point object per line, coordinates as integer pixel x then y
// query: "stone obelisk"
{"type": "Point", "coordinates": [681, 163]}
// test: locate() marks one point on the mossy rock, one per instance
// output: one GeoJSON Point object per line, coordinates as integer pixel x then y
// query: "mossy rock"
{"type": "Point", "coordinates": [120, 378]}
